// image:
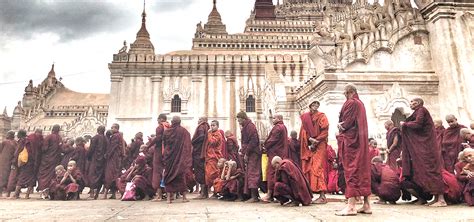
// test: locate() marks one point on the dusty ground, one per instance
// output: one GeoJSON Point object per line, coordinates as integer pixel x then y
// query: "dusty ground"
{"type": "Point", "coordinates": [214, 210]}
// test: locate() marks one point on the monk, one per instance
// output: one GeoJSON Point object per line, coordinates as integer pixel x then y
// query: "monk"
{"type": "Point", "coordinates": [56, 190]}
{"type": "Point", "coordinates": [177, 158]}
{"type": "Point", "coordinates": [212, 153]}
{"type": "Point", "coordinates": [314, 138]}
{"type": "Point", "coordinates": [331, 170]}
{"type": "Point", "coordinates": [96, 159]}
{"type": "Point", "coordinates": [393, 144]}
{"type": "Point", "coordinates": [158, 156]}
{"type": "Point", "coordinates": [113, 157]}
{"type": "Point", "coordinates": [7, 154]}
{"type": "Point", "coordinates": [421, 154]}
{"type": "Point", "coordinates": [50, 158]}
{"type": "Point", "coordinates": [468, 138]}
{"type": "Point", "coordinates": [36, 140]}
{"type": "Point", "coordinates": [25, 170]}
{"type": "Point", "coordinates": [385, 182]}
{"type": "Point", "coordinates": [71, 183]}
{"type": "Point", "coordinates": [465, 174]}
{"type": "Point", "coordinates": [67, 148]}
{"type": "Point", "coordinates": [353, 134]}
{"type": "Point", "coordinates": [439, 131]}
{"type": "Point", "coordinates": [199, 141]}
{"type": "Point", "coordinates": [133, 149]}
{"type": "Point", "coordinates": [291, 185]}
{"type": "Point", "coordinates": [294, 148]}
{"type": "Point", "coordinates": [373, 149]}
{"type": "Point", "coordinates": [232, 147]}
{"type": "Point", "coordinates": [222, 166]}
{"type": "Point", "coordinates": [451, 143]}
{"type": "Point", "coordinates": [252, 156]}
{"type": "Point", "coordinates": [276, 144]}
{"type": "Point", "coordinates": [140, 175]}
{"type": "Point", "coordinates": [80, 154]}
{"type": "Point", "coordinates": [231, 182]}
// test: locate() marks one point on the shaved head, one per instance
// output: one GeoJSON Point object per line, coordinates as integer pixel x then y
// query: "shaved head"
{"type": "Point", "coordinates": [176, 120]}
{"type": "Point", "coordinates": [450, 117]}
{"type": "Point", "coordinates": [276, 161]}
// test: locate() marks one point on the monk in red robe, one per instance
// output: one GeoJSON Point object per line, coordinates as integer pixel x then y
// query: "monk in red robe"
{"type": "Point", "coordinates": [276, 144]}
{"type": "Point", "coordinates": [140, 175]}
{"type": "Point", "coordinates": [133, 149]}
{"type": "Point", "coordinates": [96, 159]}
{"type": "Point", "coordinates": [231, 182]}
{"type": "Point", "coordinates": [25, 171]}
{"type": "Point", "coordinates": [331, 170]}
{"type": "Point", "coordinates": [70, 185]}
{"type": "Point", "coordinates": [177, 158]}
{"type": "Point", "coordinates": [385, 182]}
{"type": "Point", "coordinates": [465, 174]}
{"type": "Point", "coordinates": [36, 140]}
{"type": "Point", "coordinates": [222, 166]}
{"type": "Point", "coordinates": [393, 144]}
{"type": "Point", "coordinates": [421, 154]}
{"type": "Point", "coordinates": [113, 159]}
{"type": "Point", "coordinates": [7, 154]}
{"type": "Point", "coordinates": [252, 156]}
{"type": "Point", "coordinates": [291, 186]}
{"type": "Point", "coordinates": [451, 144]}
{"type": "Point", "coordinates": [50, 158]}
{"type": "Point", "coordinates": [212, 153]}
{"type": "Point", "coordinates": [199, 141]}
{"type": "Point", "coordinates": [294, 148]}
{"type": "Point", "coordinates": [158, 156]}
{"type": "Point", "coordinates": [352, 140]}
{"type": "Point", "coordinates": [373, 149]}
{"type": "Point", "coordinates": [439, 131]}
{"type": "Point", "coordinates": [314, 138]}
{"type": "Point", "coordinates": [468, 138]}
{"type": "Point", "coordinates": [232, 147]}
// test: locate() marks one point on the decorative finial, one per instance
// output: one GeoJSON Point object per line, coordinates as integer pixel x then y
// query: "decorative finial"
{"type": "Point", "coordinates": [144, 13]}
{"type": "Point", "coordinates": [5, 111]}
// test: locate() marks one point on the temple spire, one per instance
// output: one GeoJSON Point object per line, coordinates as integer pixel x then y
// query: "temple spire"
{"type": "Point", "coordinates": [142, 44]}
{"type": "Point", "coordinates": [143, 32]}
{"type": "Point", "coordinates": [5, 111]}
{"type": "Point", "coordinates": [51, 72]}
{"type": "Point", "coordinates": [264, 10]}
{"type": "Point", "coordinates": [214, 23]}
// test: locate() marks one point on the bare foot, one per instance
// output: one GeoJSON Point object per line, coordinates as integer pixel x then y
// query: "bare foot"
{"type": "Point", "coordinates": [347, 212]}
{"type": "Point", "coordinates": [364, 210]}
{"type": "Point", "coordinates": [439, 204]}
{"type": "Point", "coordinates": [380, 202]}
{"type": "Point", "coordinates": [320, 201]}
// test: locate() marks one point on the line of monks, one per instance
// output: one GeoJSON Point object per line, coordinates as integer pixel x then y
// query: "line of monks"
{"type": "Point", "coordinates": [424, 160]}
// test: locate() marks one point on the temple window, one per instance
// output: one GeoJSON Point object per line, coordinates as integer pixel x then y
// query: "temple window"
{"type": "Point", "coordinates": [250, 104]}
{"type": "Point", "coordinates": [176, 104]}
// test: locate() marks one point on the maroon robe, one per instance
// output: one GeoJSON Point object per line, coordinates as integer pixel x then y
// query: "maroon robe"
{"type": "Point", "coordinates": [79, 155]}
{"type": "Point", "coordinates": [276, 144]}
{"type": "Point", "coordinates": [331, 171]}
{"type": "Point", "coordinates": [65, 190]}
{"type": "Point", "coordinates": [354, 148]}
{"type": "Point", "coordinates": [50, 158]}
{"type": "Point", "coordinates": [251, 149]}
{"type": "Point", "coordinates": [385, 182]}
{"type": "Point", "coordinates": [68, 152]}
{"type": "Point", "coordinates": [113, 157]}
{"type": "Point", "coordinates": [7, 153]}
{"type": "Point", "coordinates": [373, 152]}
{"type": "Point", "coordinates": [158, 155]}
{"type": "Point", "coordinates": [451, 146]}
{"type": "Point", "coordinates": [466, 184]}
{"type": "Point", "coordinates": [291, 184]}
{"type": "Point", "coordinates": [95, 155]}
{"type": "Point", "coordinates": [177, 158]}
{"type": "Point", "coordinates": [132, 152]}
{"type": "Point", "coordinates": [26, 176]}
{"type": "Point", "coordinates": [142, 180]}
{"type": "Point", "coordinates": [233, 151]}
{"type": "Point", "coordinates": [37, 144]}
{"type": "Point", "coordinates": [439, 132]}
{"type": "Point", "coordinates": [294, 152]}
{"type": "Point", "coordinates": [452, 189]}
{"type": "Point", "coordinates": [421, 153]}
{"type": "Point", "coordinates": [198, 141]}
{"type": "Point", "coordinates": [395, 153]}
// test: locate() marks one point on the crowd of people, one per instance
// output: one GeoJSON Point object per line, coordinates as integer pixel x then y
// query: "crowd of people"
{"type": "Point", "coordinates": [424, 161]}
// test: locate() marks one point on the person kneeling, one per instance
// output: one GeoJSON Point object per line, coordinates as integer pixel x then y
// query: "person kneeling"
{"type": "Point", "coordinates": [135, 183]}
{"type": "Point", "coordinates": [385, 182]}
{"type": "Point", "coordinates": [67, 184]}
{"type": "Point", "coordinates": [231, 182]}
{"type": "Point", "coordinates": [290, 184]}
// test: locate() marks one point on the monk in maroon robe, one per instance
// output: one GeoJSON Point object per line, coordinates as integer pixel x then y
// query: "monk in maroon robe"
{"type": "Point", "coordinates": [452, 189]}
{"type": "Point", "coordinates": [133, 149]}
{"type": "Point", "coordinates": [439, 131]}
{"type": "Point", "coordinates": [199, 141]}
{"type": "Point", "coordinates": [231, 180]}
{"type": "Point", "coordinates": [331, 170]}
{"type": "Point", "coordinates": [7, 153]}
{"type": "Point", "coordinates": [212, 152]}
{"type": "Point", "coordinates": [465, 175]}
{"type": "Point", "coordinates": [252, 156]}
{"type": "Point", "coordinates": [95, 155]}
{"type": "Point", "coordinates": [140, 175]}
{"type": "Point", "coordinates": [353, 138]}
{"type": "Point", "coordinates": [385, 182]}
{"type": "Point", "coordinates": [276, 144]}
{"type": "Point", "coordinates": [232, 147]}
{"type": "Point", "coordinates": [393, 144]}
{"type": "Point", "coordinates": [113, 157]}
{"type": "Point", "coordinates": [69, 186]}
{"type": "Point", "coordinates": [158, 156]}
{"type": "Point", "coordinates": [50, 158]}
{"type": "Point", "coordinates": [373, 150]}
{"type": "Point", "coordinates": [36, 140]}
{"type": "Point", "coordinates": [25, 171]}
{"type": "Point", "coordinates": [421, 154]}
{"type": "Point", "coordinates": [79, 155]}
{"type": "Point", "coordinates": [290, 184]}
{"type": "Point", "coordinates": [468, 138]}
{"type": "Point", "coordinates": [294, 148]}
{"type": "Point", "coordinates": [67, 148]}
{"type": "Point", "coordinates": [451, 143]}
{"type": "Point", "coordinates": [177, 158]}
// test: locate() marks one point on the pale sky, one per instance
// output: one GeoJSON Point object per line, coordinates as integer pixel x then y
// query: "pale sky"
{"type": "Point", "coordinates": [80, 37]}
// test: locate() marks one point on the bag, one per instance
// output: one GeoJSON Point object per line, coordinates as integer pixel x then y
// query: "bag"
{"type": "Point", "coordinates": [129, 194]}
{"type": "Point", "coordinates": [264, 166]}
{"type": "Point", "coordinates": [23, 157]}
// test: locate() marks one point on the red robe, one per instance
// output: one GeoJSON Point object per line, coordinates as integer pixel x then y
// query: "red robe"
{"type": "Point", "coordinates": [385, 182]}
{"type": "Point", "coordinates": [37, 145]}
{"type": "Point", "coordinates": [294, 151]}
{"type": "Point", "coordinates": [373, 152]}
{"type": "Point", "coordinates": [451, 146]}
{"type": "Point", "coordinates": [113, 160]}
{"type": "Point", "coordinates": [312, 162]}
{"type": "Point", "coordinates": [292, 184]}
{"type": "Point", "coordinates": [177, 158]}
{"type": "Point", "coordinates": [233, 151]}
{"type": "Point", "coordinates": [233, 186]}
{"type": "Point", "coordinates": [7, 153]}
{"type": "Point", "coordinates": [142, 180]}
{"type": "Point", "coordinates": [213, 152]}
{"type": "Point", "coordinates": [421, 153]}
{"type": "Point", "coordinates": [58, 191]}
{"type": "Point", "coordinates": [439, 132]}
{"type": "Point", "coordinates": [199, 141]}
{"type": "Point", "coordinates": [79, 156]}
{"type": "Point", "coordinates": [395, 153]}
{"type": "Point", "coordinates": [158, 155]}
{"type": "Point", "coordinates": [132, 152]}
{"type": "Point", "coordinates": [353, 142]}
{"type": "Point", "coordinates": [452, 189]}
{"type": "Point", "coordinates": [331, 172]}
{"type": "Point", "coordinates": [466, 184]}
{"type": "Point", "coordinates": [95, 173]}
{"type": "Point", "coordinates": [276, 144]}
{"type": "Point", "coordinates": [50, 158]}
{"type": "Point", "coordinates": [68, 152]}
{"type": "Point", "coordinates": [251, 148]}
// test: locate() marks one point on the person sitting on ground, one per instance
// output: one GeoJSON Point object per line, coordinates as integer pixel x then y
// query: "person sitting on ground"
{"type": "Point", "coordinates": [467, 137]}
{"type": "Point", "coordinates": [385, 182]}
{"type": "Point", "coordinates": [140, 177]}
{"type": "Point", "coordinates": [67, 183]}
{"type": "Point", "coordinates": [290, 184]}
{"type": "Point", "coordinates": [233, 181]}
{"type": "Point", "coordinates": [218, 182]}
{"type": "Point", "coordinates": [465, 174]}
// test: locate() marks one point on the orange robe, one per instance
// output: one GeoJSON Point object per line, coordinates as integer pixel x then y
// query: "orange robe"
{"type": "Point", "coordinates": [312, 162]}
{"type": "Point", "coordinates": [214, 147]}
